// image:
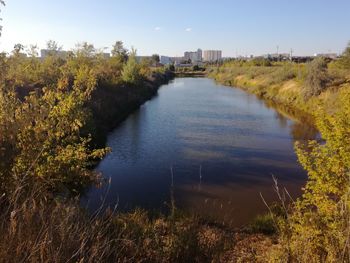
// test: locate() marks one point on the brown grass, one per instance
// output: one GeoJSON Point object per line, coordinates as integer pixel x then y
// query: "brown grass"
{"type": "Point", "coordinates": [40, 228]}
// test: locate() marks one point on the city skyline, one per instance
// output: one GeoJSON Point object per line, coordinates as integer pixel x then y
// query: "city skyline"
{"type": "Point", "coordinates": [238, 28]}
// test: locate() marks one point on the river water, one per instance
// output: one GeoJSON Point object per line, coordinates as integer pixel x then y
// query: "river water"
{"type": "Point", "coordinates": [210, 148]}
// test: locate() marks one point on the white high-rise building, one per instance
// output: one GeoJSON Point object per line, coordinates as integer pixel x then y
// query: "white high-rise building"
{"type": "Point", "coordinates": [212, 55]}
{"type": "Point", "coordinates": [194, 56]}
{"type": "Point", "coordinates": [199, 54]}
{"type": "Point", "coordinates": [60, 53]}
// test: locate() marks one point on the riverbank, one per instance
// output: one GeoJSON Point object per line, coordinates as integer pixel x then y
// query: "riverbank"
{"type": "Point", "coordinates": [111, 104]}
{"type": "Point", "coordinates": [190, 74]}
{"type": "Point", "coordinates": [282, 83]}
{"type": "Point", "coordinates": [314, 227]}
{"type": "Point", "coordinates": [46, 159]}
{"type": "Point", "coordinates": [60, 231]}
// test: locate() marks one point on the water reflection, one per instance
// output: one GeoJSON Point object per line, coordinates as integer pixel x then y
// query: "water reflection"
{"type": "Point", "coordinates": [222, 144]}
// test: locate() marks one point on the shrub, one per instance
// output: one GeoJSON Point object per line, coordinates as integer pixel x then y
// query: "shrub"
{"type": "Point", "coordinates": [171, 67]}
{"type": "Point", "coordinates": [260, 62]}
{"type": "Point", "coordinates": [318, 228]}
{"type": "Point", "coordinates": [316, 79]}
{"type": "Point", "coordinates": [263, 224]}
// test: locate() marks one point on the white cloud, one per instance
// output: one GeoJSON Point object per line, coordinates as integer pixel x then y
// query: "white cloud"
{"type": "Point", "coordinates": [189, 29]}
{"type": "Point", "coordinates": [157, 28]}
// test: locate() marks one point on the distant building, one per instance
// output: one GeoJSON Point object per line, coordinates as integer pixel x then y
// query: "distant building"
{"type": "Point", "coordinates": [199, 55]}
{"type": "Point", "coordinates": [327, 55]}
{"type": "Point", "coordinates": [166, 60]}
{"type": "Point", "coordinates": [277, 57]}
{"type": "Point", "coordinates": [194, 56]}
{"type": "Point", "coordinates": [60, 53]}
{"type": "Point", "coordinates": [22, 55]}
{"type": "Point", "coordinates": [212, 55]}
{"type": "Point", "coordinates": [106, 55]}
{"type": "Point", "coordinates": [177, 60]}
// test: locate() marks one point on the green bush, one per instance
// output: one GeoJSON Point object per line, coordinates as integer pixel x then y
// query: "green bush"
{"type": "Point", "coordinates": [317, 229]}
{"type": "Point", "coordinates": [171, 67]}
{"type": "Point", "coordinates": [263, 224]}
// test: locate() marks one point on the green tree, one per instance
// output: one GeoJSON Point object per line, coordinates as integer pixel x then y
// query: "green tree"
{"type": "Point", "coordinates": [41, 136]}
{"type": "Point", "coordinates": [131, 71]}
{"type": "Point", "coordinates": [171, 67]}
{"type": "Point", "coordinates": [118, 50]}
{"type": "Point", "coordinates": [155, 58]}
{"type": "Point", "coordinates": [53, 46]}
{"type": "Point", "coordinates": [17, 49]}
{"type": "Point", "coordinates": [32, 51]}
{"type": "Point", "coordinates": [85, 49]}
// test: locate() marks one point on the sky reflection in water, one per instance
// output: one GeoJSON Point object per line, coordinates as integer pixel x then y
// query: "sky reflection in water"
{"type": "Point", "coordinates": [238, 141]}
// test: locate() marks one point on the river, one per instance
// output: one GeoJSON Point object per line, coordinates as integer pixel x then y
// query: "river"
{"type": "Point", "coordinates": [212, 149]}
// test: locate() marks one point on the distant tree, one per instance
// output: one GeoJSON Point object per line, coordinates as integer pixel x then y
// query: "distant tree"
{"type": "Point", "coordinates": [85, 49]}
{"type": "Point", "coordinates": [1, 3]}
{"type": "Point", "coordinates": [131, 71]}
{"type": "Point", "coordinates": [17, 49]}
{"type": "Point", "coordinates": [118, 50]}
{"type": "Point", "coordinates": [195, 68]}
{"type": "Point", "coordinates": [316, 79]}
{"type": "Point", "coordinates": [155, 58]}
{"type": "Point", "coordinates": [33, 51]}
{"type": "Point", "coordinates": [171, 67]}
{"type": "Point", "coordinates": [53, 46]}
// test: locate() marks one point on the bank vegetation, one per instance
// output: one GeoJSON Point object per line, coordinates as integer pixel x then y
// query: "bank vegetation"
{"type": "Point", "coordinates": [54, 116]}
{"type": "Point", "coordinates": [314, 228]}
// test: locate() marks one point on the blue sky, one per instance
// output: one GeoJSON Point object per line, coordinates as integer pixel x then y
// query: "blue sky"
{"type": "Point", "coordinates": [170, 27]}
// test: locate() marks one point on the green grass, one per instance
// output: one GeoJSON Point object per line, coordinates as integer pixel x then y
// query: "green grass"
{"type": "Point", "coordinates": [263, 224]}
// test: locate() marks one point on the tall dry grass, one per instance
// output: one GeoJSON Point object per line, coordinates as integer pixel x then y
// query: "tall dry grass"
{"type": "Point", "coordinates": [37, 227]}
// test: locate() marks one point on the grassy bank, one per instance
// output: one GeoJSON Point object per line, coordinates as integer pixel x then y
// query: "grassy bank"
{"type": "Point", "coordinates": [283, 83]}
{"type": "Point", "coordinates": [38, 229]}
{"type": "Point", "coordinates": [111, 104]}
{"type": "Point", "coordinates": [315, 227]}
{"type": "Point", "coordinates": [54, 117]}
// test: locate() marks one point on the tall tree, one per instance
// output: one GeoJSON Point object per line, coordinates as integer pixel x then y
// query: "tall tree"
{"type": "Point", "coordinates": [32, 51]}
{"type": "Point", "coordinates": [17, 49]}
{"type": "Point", "coordinates": [155, 58]}
{"type": "Point", "coordinates": [131, 70]}
{"type": "Point", "coordinates": [118, 50]}
{"type": "Point", "coordinates": [52, 45]}
{"type": "Point", "coordinates": [85, 49]}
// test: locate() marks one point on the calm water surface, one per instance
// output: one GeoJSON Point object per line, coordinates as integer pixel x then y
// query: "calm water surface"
{"type": "Point", "coordinates": [223, 145]}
